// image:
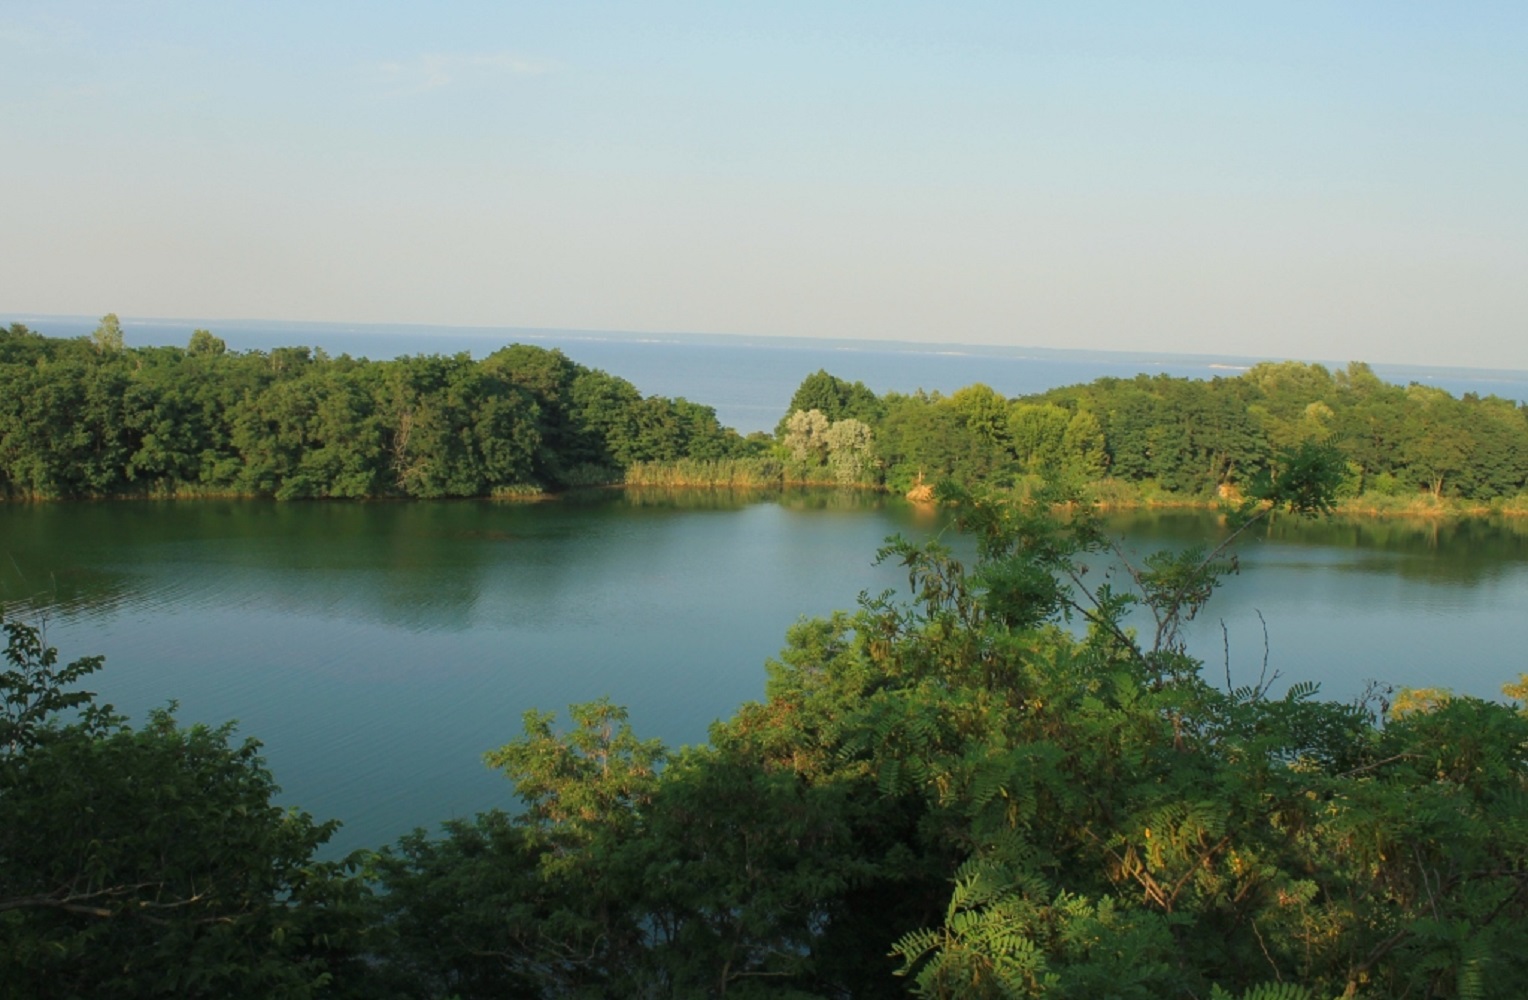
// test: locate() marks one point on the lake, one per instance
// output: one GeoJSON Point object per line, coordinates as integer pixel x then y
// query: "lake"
{"type": "Point", "coordinates": [379, 648]}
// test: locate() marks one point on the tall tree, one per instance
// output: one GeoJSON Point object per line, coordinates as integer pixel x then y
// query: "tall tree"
{"type": "Point", "coordinates": [107, 336]}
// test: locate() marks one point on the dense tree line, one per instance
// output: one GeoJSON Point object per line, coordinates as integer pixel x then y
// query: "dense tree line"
{"type": "Point", "coordinates": [1154, 435]}
{"type": "Point", "coordinates": [91, 417]}
{"type": "Point", "coordinates": [948, 794]}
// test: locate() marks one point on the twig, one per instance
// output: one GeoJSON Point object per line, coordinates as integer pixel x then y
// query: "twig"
{"type": "Point", "coordinates": [1262, 685]}
{"type": "Point", "coordinates": [1263, 945]}
{"type": "Point", "coordinates": [1377, 763]}
{"type": "Point", "coordinates": [1225, 641]}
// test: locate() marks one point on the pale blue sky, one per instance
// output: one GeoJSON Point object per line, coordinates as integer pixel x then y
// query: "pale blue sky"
{"type": "Point", "coordinates": [1323, 180]}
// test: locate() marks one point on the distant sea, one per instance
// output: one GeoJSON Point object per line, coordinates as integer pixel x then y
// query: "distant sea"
{"type": "Point", "coordinates": [750, 380]}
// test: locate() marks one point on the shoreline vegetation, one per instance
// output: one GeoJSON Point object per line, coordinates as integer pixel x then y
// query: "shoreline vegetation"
{"type": "Point", "coordinates": [1119, 496]}
{"type": "Point", "coordinates": [93, 418]}
{"type": "Point", "coordinates": [945, 795]}
{"type": "Point", "coordinates": [663, 477]}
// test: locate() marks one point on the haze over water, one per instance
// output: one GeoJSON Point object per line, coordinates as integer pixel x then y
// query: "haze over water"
{"type": "Point", "coordinates": [750, 380]}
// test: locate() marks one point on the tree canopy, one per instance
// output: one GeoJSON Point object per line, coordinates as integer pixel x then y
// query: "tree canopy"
{"type": "Point", "coordinates": [95, 418]}
{"type": "Point", "coordinates": [1158, 436]}
{"type": "Point", "coordinates": [92, 417]}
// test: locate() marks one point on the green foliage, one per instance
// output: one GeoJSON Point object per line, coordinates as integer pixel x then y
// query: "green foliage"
{"type": "Point", "coordinates": [92, 417]}
{"type": "Point", "coordinates": [151, 862]}
{"type": "Point", "coordinates": [1303, 480]}
{"type": "Point", "coordinates": [806, 436]}
{"type": "Point", "coordinates": [107, 337]}
{"type": "Point", "coordinates": [715, 879]}
{"type": "Point", "coordinates": [844, 449]}
{"type": "Point", "coordinates": [465, 913]}
{"type": "Point", "coordinates": [205, 343]}
{"type": "Point", "coordinates": [834, 398]}
{"type": "Point", "coordinates": [35, 689]}
{"type": "Point", "coordinates": [1164, 438]}
{"type": "Point", "coordinates": [1012, 809]}
{"type": "Point", "coordinates": [741, 473]}
{"type": "Point", "coordinates": [1272, 842]}
{"type": "Point", "coordinates": [1007, 934]}
{"type": "Point", "coordinates": [96, 419]}
{"type": "Point", "coordinates": [1039, 433]}
{"type": "Point", "coordinates": [578, 786]}
{"type": "Point", "coordinates": [926, 438]}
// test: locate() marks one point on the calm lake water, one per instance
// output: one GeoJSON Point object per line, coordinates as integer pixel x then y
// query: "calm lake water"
{"type": "Point", "coordinates": [378, 649]}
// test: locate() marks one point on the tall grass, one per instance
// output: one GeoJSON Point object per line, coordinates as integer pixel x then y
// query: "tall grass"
{"type": "Point", "coordinates": [737, 473]}
{"type": "Point", "coordinates": [588, 474]}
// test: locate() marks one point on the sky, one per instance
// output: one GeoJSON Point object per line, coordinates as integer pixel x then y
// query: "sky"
{"type": "Point", "coordinates": [1303, 179]}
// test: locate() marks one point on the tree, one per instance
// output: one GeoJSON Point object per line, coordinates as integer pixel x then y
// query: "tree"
{"type": "Point", "coordinates": [205, 344]}
{"type": "Point", "coordinates": [548, 377]}
{"type": "Point", "coordinates": [1082, 444]}
{"type": "Point", "coordinates": [834, 398]}
{"type": "Point", "coordinates": [148, 861]}
{"type": "Point", "coordinates": [1131, 412]}
{"type": "Point", "coordinates": [806, 436]}
{"type": "Point", "coordinates": [107, 337]}
{"type": "Point", "coordinates": [1135, 832]}
{"type": "Point", "coordinates": [985, 413]}
{"type": "Point", "coordinates": [713, 877]}
{"type": "Point", "coordinates": [20, 345]}
{"type": "Point", "coordinates": [1291, 398]}
{"type": "Point", "coordinates": [1498, 461]}
{"type": "Point", "coordinates": [602, 414]}
{"type": "Point", "coordinates": [85, 420]}
{"type": "Point", "coordinates": [457, 429]}
{"type": "Point", "coordinates": [35, 688]}
{"type": "Point", "coordinates": [849, 443]}
{"type": "Point", "coordinates": [921, 435]}
{"type": "Point", "coordinates": [1039, 436]}
{"type": "Point", "coordinates": [544, 904]}
{"type": "Point", "coordinates": [1439, 439]}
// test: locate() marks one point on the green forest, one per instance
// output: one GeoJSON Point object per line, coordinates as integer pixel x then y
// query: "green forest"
{"type": "Point", "coordinates": [1162, 437]}
{"type": "Point", "coordinates": [988, 786]}
{"type": "Point", "coordinates": [92, 417]}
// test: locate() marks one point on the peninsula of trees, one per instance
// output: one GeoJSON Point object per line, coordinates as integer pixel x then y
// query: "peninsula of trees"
{"type": "Point", "coordinates": [91, 417]}
{"type": "Point", "coordinates": [1161, 437]}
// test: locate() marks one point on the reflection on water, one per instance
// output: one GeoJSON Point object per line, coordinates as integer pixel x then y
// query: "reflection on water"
{"type": "Point", "coordinates": [1436, 550]}
{"type": "Point", "coordinates": [1404, 602]}
{"type": "Point", "coordinates": [379, 648]}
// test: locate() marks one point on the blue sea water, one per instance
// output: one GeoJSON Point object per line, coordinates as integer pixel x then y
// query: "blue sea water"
{"type": "Point", "coordinates": [750, 380]}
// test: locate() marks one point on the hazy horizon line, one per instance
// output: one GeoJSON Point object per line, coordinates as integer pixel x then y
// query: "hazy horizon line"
{"type": "Point", "coordinates": [764, 340]}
